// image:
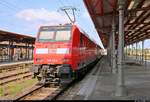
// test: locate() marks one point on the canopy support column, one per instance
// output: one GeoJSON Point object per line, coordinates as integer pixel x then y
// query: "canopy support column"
{"type": "Point", "coordinates": [120, 89]}
{"type": "Point", "coordinates": [136, 51]}
{"type": "Point", "coordinates": [132, 49]}
{"type": "Point", "coordinates": [10, 51]}
{"type": "Point", "coordinates": [32, 50]}
{"type": "Point", "coordinates": [114, 69]}
{"type": "Point", "coordinates": [26, 51]}
{"type": "Point", "coordinates": [109, 50]}
{"type": "Point", "coordinates": [142, 51]}
{"type": "Point", "coordinates": [127, 49]}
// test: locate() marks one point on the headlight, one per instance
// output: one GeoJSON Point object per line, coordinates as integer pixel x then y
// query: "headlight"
{"type": "Point", "coordinates": [62, 51]}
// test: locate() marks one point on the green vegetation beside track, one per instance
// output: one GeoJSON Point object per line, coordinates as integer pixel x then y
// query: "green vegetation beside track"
{"type": "Point", "coordinates": [15, 88]}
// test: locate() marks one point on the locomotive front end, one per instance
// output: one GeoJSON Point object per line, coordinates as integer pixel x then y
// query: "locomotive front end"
{"type": "Point", "coordinates": [52, 54]}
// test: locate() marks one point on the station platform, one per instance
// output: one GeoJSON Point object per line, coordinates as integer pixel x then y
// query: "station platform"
{"type": "Point", "coordinates": [100, 83]}
{"type": "Point", "coordinates": [15, 63]}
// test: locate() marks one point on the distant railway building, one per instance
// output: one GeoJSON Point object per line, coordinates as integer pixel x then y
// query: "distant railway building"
{"type": "Point", "coordinates": [15, 47]}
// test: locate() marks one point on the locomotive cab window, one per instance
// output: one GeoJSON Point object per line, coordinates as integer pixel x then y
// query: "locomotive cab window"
{"type": "Point", "coordinates": [46, 35]}
{"type": "Point", "coordinates": [63, 35]}
{"type": "Point", "coordinates": [54, 34]}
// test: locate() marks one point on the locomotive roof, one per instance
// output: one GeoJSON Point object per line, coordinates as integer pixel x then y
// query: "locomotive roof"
{"type": "Point", "coordinates": [82, 31]}
{"type": "Point", "coordinates": [65, 25]}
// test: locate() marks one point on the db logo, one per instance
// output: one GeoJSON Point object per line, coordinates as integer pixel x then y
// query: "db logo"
{"type": "Point", "coordinates": [52, 60]}
{"type": "Point", "coordinates": [52, 51]}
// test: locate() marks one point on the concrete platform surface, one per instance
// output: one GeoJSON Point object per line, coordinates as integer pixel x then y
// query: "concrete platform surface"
{"type": "Point", "coordinates": [100, 84]}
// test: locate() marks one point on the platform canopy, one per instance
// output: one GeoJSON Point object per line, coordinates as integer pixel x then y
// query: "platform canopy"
{"type": "Point", "coordinates": [136, 23]}
{"type": "Point", "coordinates": [14, 37]}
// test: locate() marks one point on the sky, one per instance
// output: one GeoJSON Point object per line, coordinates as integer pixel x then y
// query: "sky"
{"type": "Point", "coordinates": [139, 45]}
{"type": "Point", "coordinates": [26, 16]}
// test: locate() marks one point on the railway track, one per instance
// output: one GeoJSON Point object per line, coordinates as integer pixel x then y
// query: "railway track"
{"type": "Point", "coordinates": [44, 92]}
{"type": "Point", "coordinates": [14, 77]}
{"type": "Point", "coordinates": [13, 72]}
{"type": "Point", "coordinates": [47, 92]}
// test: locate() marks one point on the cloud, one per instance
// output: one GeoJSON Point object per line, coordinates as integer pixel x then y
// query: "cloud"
{"type": "Point", "coordinates": [42, 15]}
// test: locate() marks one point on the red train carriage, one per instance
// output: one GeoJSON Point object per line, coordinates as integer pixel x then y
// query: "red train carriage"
{"type": "Point", "coordinates": [62, 52]}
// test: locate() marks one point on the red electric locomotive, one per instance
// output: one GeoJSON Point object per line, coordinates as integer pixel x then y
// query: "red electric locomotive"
{"type": "Point", "coordinates": [62, 53]}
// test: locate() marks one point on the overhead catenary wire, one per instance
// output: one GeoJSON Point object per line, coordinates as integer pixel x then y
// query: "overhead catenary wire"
{"type": "Point", "coordinates": [3, 11]}
{"type": "Point", "coordinates": [10, 7]}
{"type": "Point", "coordinates": [11, 4]}
{"type": "Point", "coordinates": [7, 6]}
